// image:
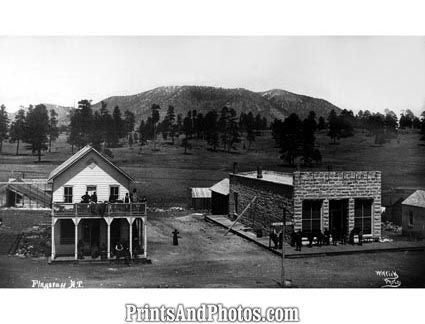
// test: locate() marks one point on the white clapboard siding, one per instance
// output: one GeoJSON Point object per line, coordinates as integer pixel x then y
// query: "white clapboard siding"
{"type": "Point", "coordinates": [92, 175]}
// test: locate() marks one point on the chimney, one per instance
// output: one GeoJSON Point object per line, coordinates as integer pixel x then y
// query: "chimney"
{"type": "Point", "coordinates": [259, 173]}
{"type": "Point", "coordinates": [235, 167]}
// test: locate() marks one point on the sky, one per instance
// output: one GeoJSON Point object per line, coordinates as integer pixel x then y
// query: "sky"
{"type": "Point", "coordinates": [355, 73]}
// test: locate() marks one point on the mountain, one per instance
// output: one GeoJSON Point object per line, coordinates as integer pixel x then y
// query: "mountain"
{"type": "Point", "coordinates": [63, 113]}
{"type": "Point", "coordinates": [299, 104]}
{"type": "Point", "coordinates": [271, 104]}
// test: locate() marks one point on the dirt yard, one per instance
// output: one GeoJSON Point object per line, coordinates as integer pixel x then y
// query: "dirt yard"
{"type": "Point", "coordinates": [207, 258]}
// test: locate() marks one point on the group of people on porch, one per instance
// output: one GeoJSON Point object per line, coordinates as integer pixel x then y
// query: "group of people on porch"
{"type": "Point", "coordinates": [99, 208]}
{"type": "Point", "coordinates": [129, 198]}
{"type": "Point", "coordinates": [320, 238]}
{"type": "Point", "coordinates": [120, 251]}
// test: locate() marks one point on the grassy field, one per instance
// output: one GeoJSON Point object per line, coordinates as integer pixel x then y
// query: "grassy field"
{"type": "Point", "coordinates": [164, 176]}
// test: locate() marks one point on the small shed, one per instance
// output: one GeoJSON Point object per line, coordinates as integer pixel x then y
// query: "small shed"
{"type": "Point", "coordinates": [201, 198]}
{"type": "Point", "coordinates": [220, 197]}
{"type": "Point", "coordinates": [413, 214]}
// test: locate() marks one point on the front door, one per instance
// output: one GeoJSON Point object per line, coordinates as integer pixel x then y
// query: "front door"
{"type": "Point", "coordinates": [338, 217]}
{"type": "Point", "coordinates": [91, 234]}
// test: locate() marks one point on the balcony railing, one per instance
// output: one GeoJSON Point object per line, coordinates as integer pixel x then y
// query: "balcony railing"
{"type": "Point", "coordinates": [98, 210]}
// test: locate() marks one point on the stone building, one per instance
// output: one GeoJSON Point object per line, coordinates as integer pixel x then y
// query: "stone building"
{"type": "Point", "coordinates": [312, 201]}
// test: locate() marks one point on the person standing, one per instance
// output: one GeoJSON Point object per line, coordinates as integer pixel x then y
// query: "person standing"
{"type": "Point", "coordinates": [118, 251]}
{"type": "Point", "coordinates": [85, 199]}
{"type": "Point", "coordinates": [93, 197]}
{"type": "Point", "coordinates": [134, 197]}
{"type": "Point", "coordinates": [175, 237]}
{"type": "Point", "coordinates": [298, 241]}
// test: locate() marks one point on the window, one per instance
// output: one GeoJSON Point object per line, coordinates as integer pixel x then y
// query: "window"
{"type": "Point", "coordinates": [67, 194]}
{"type": "Point", "coordinates": [363, 215]}
{"type": "Point", "coordinates": [311, 215]}
{"type": "Point", "coordinates": [114, 193]}
{"type": "Point", "coordinates": [18, 200]}
{"type": "Point", "coordinates": [90, 189]}
{"type": "Point", "coordinates": [410, 218]}
{"type": "Point", "coordinates": [67, 234]}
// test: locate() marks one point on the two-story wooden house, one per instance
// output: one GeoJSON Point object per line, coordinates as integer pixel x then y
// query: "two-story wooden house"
{"type": "Point", "coordinates": [81, 227]}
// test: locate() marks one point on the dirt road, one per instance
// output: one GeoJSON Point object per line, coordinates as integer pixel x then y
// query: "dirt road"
{"type": "Point", "coordinates": [207, 258]}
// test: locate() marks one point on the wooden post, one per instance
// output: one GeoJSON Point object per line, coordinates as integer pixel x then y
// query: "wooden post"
{"type": "Point", "coordinates": [145, 237]}
{"type": "Point", "coordinates": [282, 274]}
{"type": "Point", "coordinates": [108, 221]}
{"type": "Point", "coordinates": [76, 221]}
{"type": "Point", "coordinates": [54, 220]}
{"type": "Point", "coordinates": [108, 253]}
{"type": "Point", "coordinates": [131, 239]}
{"type": "Point", "coordinates": [240, 215]}
{"type": "Point", "coordinates": [130, 235]}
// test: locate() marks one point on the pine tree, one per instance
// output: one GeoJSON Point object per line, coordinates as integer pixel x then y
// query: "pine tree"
{"type": "Point", "coordinates": [129, 121]}
{"type": "Point", "coordinates": [170, 119]}
{"type": "Point", "coordinates": [119, 130]}
{"type": "Point", "coordinates": [17, 129]}
{"type": "Point", "coordinates": [155, 119]}
{"type": "Point", "coordinates": [53, 128]}
{"type": "Point", "coordinates": [37, 128]}
{"type": "Point", "coordinates": [334, 126]}
{"type": "Point", "coordinates": [211, 129]}
{"type": "Point", "coordinates": [290, 139]}
{"type": "Point", "coordinates": [4, 125]}
{"type": "Point", "coordinates": [188, 129]}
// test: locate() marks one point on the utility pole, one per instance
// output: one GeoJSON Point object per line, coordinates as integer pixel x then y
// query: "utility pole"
{"type": "Point", "coordinates": [282, 273]}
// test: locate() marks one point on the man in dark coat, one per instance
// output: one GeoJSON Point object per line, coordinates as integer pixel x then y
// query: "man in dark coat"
{"type": "Point", "coordinates": [85, 199]}
{"type": "Point", "coordinates": [175, 237]}
{"type": "Point", "coordinates": [298, 241]}
{"type": "Point", "coordinates": [274, 238]}
{"type": "Point", "coordinates": [93, 197]}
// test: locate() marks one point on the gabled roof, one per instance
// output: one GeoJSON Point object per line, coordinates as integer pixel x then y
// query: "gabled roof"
{"type": "Point", "coordinates": [416, 199]}
{"type": "Point", "coordinates": [201, 193]}
{"type": "Point", "coordinates": [78, 156]}
{"type": "Point", "coordinates": [221, 187]}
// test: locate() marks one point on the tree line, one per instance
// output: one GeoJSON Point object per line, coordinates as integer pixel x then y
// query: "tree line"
{"type": "Point", "coordinates": [96, 128]}
{"type": "Point", "coordinates": [219, 129]}
{"type": "Point", "coordinates": [35, 126]}
{"type": "Point", "coordinates": [38, 127]}
{"type": "Point", "coordinates": [296, 138]}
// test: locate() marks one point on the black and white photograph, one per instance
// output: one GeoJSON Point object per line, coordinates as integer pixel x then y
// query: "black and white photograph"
{"type": "Point", "coordinates": [212, 161]}
{"type": "Point", "coordinates": [221, 174]}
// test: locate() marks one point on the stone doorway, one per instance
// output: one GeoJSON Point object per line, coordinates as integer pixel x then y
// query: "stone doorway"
{"type": "Point", "coordinates": [338, 217]}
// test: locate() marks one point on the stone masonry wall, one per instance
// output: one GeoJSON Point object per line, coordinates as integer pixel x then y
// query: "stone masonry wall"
{"type": "Point", "coordinates": [338, 185]}
{"type": "Point", "coordinates": [268, 206]}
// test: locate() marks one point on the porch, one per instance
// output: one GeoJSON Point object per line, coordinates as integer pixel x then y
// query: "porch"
{"type": "Point", "coordinates": [91, 231]}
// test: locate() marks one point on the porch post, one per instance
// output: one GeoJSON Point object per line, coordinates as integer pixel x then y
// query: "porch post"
{"type": "Point", "coordinates": [76, 221]}
{"type": "Point", "coordinates": [54, 220]}
{"type": "Point", "coordinates": [145, 238]}
{"type": "Point", "coordinates": [130, 234]}
{"type": "Point", "coordinates": [108, 221]}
